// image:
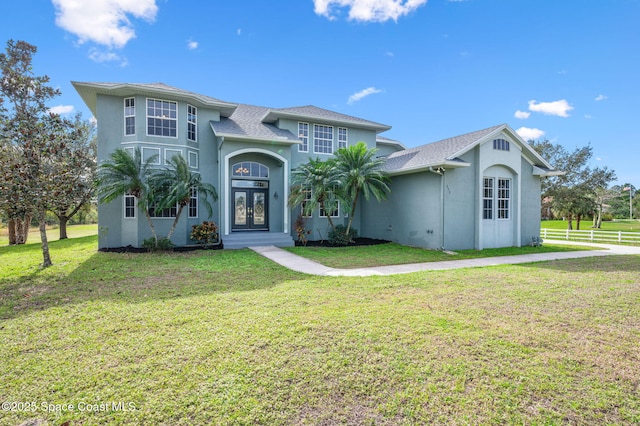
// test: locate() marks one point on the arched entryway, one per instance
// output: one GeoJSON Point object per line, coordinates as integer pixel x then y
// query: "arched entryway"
{"type": "Point", "coordinates": [499, 207]}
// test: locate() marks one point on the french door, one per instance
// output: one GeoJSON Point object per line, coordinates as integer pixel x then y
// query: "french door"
{"type": "Point", "coordinates": [250, 209]}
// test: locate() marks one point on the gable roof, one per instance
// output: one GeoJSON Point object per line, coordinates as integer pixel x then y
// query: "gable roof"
{"type": "Point", "coordinates": [445, 153]}
{"type": "Point", "coordinates": [313, 113]}
{"type": "Point", "coordinates": [246, 123]}
{"type": "Point", "coordinates": [90, 91]}
{"type": "Point", "coordinates": [383, 140]}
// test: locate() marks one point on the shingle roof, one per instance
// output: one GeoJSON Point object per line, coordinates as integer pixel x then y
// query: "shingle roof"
{"type": "Point", "coordinates": [436, 153]}
{"type": "Point", "coordinates": [246, 122]}
{"type": "Point", "coordinates": [316, 113]}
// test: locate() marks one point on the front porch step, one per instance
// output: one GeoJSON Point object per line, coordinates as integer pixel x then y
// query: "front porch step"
{"type": "Point", "coordinates": [239, 240]}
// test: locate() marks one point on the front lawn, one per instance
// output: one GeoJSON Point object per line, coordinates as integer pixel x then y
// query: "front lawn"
{"type": "Point", "coordinates": [617, 225]}
{"type": "Point", "coordinates": [228, 337]}
{"type": "Point", "coordinates": [396, 254]}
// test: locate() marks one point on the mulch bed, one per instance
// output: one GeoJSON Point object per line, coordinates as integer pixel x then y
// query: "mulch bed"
{"type": "Point", "coordinates": [357, 242]}
{"type": "Point", "coordinates": [131, 249]}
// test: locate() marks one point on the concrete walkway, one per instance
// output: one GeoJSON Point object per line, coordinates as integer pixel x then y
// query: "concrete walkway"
{"type": "Point", "coordinates": [301, 264]}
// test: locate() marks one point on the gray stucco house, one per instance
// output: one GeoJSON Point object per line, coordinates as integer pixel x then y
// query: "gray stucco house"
{"type": "Point", "coordinates": [477, 190]}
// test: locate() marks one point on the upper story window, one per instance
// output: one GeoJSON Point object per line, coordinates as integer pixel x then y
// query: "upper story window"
{"type": "Point", "coordinates": [130, 116]}
{"type": "Point", "coordinates": [342, 137]}
{"type": "Point", "coordinates": [501, 144]}
{"type": "Point", "coordinates": [303, 134]}
{"type": "Point", "coordinates": [192, 123]}
{"type": "Point", "coordinates": [250, 169]}
{"type": "Point", "coordinates": [322, 139]}
{"type": "Point", "coordinates": [162, 118]}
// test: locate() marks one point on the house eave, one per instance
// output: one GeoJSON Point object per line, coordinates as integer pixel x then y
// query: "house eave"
{"type": "Point", "coordinates": [449, 164]}
{"type": "Point", "coordinates": [273, 116]}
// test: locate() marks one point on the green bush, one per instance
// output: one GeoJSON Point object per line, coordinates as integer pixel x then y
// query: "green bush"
{"type": "Point", "coordinates": [339, 237]}
{"type": "Point", "coordinates": [163, 244]}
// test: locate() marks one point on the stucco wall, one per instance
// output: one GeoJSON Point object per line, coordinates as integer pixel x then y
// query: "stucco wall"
{"type": "Point", "coordinates": [530, 193]}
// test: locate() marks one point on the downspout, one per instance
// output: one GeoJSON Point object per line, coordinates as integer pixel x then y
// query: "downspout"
{"type": "Point", "coordinates": [431, 169]}
{"type": "Point", "coordinates": [221, 183]}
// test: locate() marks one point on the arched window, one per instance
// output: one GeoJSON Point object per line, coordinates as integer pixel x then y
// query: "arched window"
{"type": "Point", "coordinates": [250, 169]}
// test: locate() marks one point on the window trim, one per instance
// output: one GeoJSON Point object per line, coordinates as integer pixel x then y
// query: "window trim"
{"type": "Point", "coordinates": [315, 138]}
{"type": "Point", "coordinates": [502, 212]}
{"type": "Point", "coordinates": [126, 197]}
{"type": "Point", "coordinates": [487, 198]}
{"type": "Point", "coordinates": [129, 116]}
{"type": "Point", "coordinates": [193, 123]}
{"type": "Point", "coordinates": [303, 135]}
{"type": "Point", "coordinates": [168, 157]}
{"type": "Point", "coordinates": [343, 143]}
{"type": "Point", "coordinates": [158, 152]}
{"type": "Point", "coordinates": [193, 164]}
{"type": "Point", "coordinates": [162, 118]}
{"type": "Point", "coordinates": [195, 199]}
{"type": "Point", "coordinates": [501, 144]}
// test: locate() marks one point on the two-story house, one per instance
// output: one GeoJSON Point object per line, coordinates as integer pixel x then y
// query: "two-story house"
{"type": "Point", "coordinates": [481, 189]}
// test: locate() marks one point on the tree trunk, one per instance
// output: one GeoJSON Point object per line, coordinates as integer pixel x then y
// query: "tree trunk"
{"type": "Point", "coordinates": [63, 219]}
{"type": "Point", "coordinates": [328, 216]}
{"type": "Point", "coordinates": [570, 220]}
{"type": "Point", "coordinates": [353, 211]}
{"type": "Point", "coordinates": [578, 217]}
{"type": "Point", "coordinates": [175, 222]}
{"type": "Point", "coordinates": [22, 229]}
{"type": "Point", "coordinates": [46, 257]}
{"type": "Point", "coordinates": [12, 231]}
{"type": "Point", "coordinates": [153, 228]}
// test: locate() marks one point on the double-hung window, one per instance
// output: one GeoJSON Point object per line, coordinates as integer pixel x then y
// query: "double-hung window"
{"type": "Point", "coordinates": [334, 213]}
{"type": "Point", "coordinates": [129, 206]}
{"type": "Point", "coordinates": [130, 116]}
{"type": "Point", "coordinates": [322, 139]}
{"type": "Point", "coordinates": [303, 134]}
{"type": "Point", "coordinates": [193, 202]}
{"type": "Point", "coordinates": [487, 199]}
{"type": "Point", "coordinates": [305, 202]}
{"type": "Point", "coordinates": [162, 119]}
{"type": "Point", "coordinates": [342, 137]}
{"type": "Point", "coordinates": [504, 198]}
{"type": "Point", "coordinates": [192, 123]}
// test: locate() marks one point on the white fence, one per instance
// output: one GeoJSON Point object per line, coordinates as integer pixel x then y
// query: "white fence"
{"type": "Point", "coordinates": [592, 235]}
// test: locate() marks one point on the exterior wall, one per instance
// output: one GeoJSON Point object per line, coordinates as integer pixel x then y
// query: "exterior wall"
{"type": "Point", "coordinates": [411, 215]}
{"type": "Point", "coordinates": [115, 230]}
{"type": "Point", "coordinates": [460, 204]}
{"type": "Point", "coordinates": [530, 199]}
{"type": "Point", "coordinates": [384, 149]}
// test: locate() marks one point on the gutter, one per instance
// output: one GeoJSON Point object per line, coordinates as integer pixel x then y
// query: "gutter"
{"type": "Point", "coordinates": [441, 173]}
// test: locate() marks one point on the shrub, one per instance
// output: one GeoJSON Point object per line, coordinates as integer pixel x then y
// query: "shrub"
{"type": "Point", "coordinates": [206, 233]}
{"type": "Point", "coordinates": [301, 232]}
{"type": "Point", "coordinates": [163, 244]}
{"type": "Point", "coordinates": [339, 237]}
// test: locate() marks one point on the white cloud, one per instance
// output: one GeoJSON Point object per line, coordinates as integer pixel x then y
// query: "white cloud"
{"type": "Point", "coordinates": [600, 98]}
{"type": "Point", "coordinates": [61, 109]}
{"type": "Point", "coordinates": [192, 45]}
{"type": "Point", "coordinates": [105, 22]}
{"type": "Point", "coordinates": [362, 94]}
{"type": "Point", "coordinates": [100, 56]}
{"type": "Point", "coordinates": [523, 115]}
{"type": "Point", "coordinates": [390, 54]}
{"type": "Point", "coordinates": [528, 134]}
{"type": "Point", "coordinates": [239, 31]}
{"type": "Point", "coordinates": [368, 10]}
{"type": "Point", "coordinates": [559, 108]}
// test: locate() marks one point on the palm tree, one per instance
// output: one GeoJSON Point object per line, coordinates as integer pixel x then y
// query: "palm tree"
{"type": "Point", "coordinates": [175, 185]}
{"type": "Point", "coordinates": [315, 184]}
{"type": "Point", "coordinates": [126, 174]}
{"type": "Point", "coordinates": [360, 172]}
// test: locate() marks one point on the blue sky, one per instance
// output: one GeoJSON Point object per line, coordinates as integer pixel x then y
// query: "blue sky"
{"type": "Point", "coordinates": [563, 70]}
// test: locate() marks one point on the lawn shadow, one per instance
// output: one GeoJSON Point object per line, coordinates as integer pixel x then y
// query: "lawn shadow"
{"type": "Point", "coordinates": [141, 277]}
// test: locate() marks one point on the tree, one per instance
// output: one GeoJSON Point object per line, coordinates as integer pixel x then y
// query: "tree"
{"type": "Point", "coordinates": [29, 141]}
{"type": "Point", "coordinates": [360, 173]}
{"type": "Point", "coordinates": [575, 193]}
{"type": "Point", "coordinates": [174, 186]}
{"type": "Point", "coordinates": [75, 172]}
{"type": "Point", "coordinates": [314, 184]}
{"type": "Point", "coordinates": [125, 174]}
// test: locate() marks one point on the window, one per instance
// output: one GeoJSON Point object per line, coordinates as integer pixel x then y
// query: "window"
{"type": "Point", "coordinates": [193, 203]}
{"type": "Point", "coordinates": [303, 134]}
{"type": "Point", "coordinates": [193, 160]}
{"type": "Point", "coordinates": [161, 118]}
{"type": "Point", "coordinates": [170, 153]}
{"type": "Point", "coordinates": [501, 144]}
{"type": "Point", "coordinates": [342, 137]}
{"type": "Point", "coordinates": [250, 169]}
{"type": "Point", "coordinates": [151, 153]}
{"type": "Point", "coordinates": [322, 139]}
{"type": "Point", "coordinates": [130, 116]}
{"type": "Point", "coordinates": [303, 205]}
{"type": "Point", "coordinates": [192, 123]}
{"type": "Point", "coordinates": [487, 199]}
{"type": "Point", "coordinates": [334, 213]}
{"type": "Point", "coordinates": [129, 206]}
{"type": "Point", "coordinates": [164, 213]}
{"type": "Point", "coordinates": [504, 196]}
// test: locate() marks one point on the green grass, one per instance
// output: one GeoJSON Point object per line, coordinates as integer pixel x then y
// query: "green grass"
{"type": "Point", "coordinates": [228, 337]}
{"type": "Point", "coordinates": [73, 231]}
{"type": "Point", "coordinates": [396, 254]}
{"type": "Point", "coordinates": [618, 225]}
